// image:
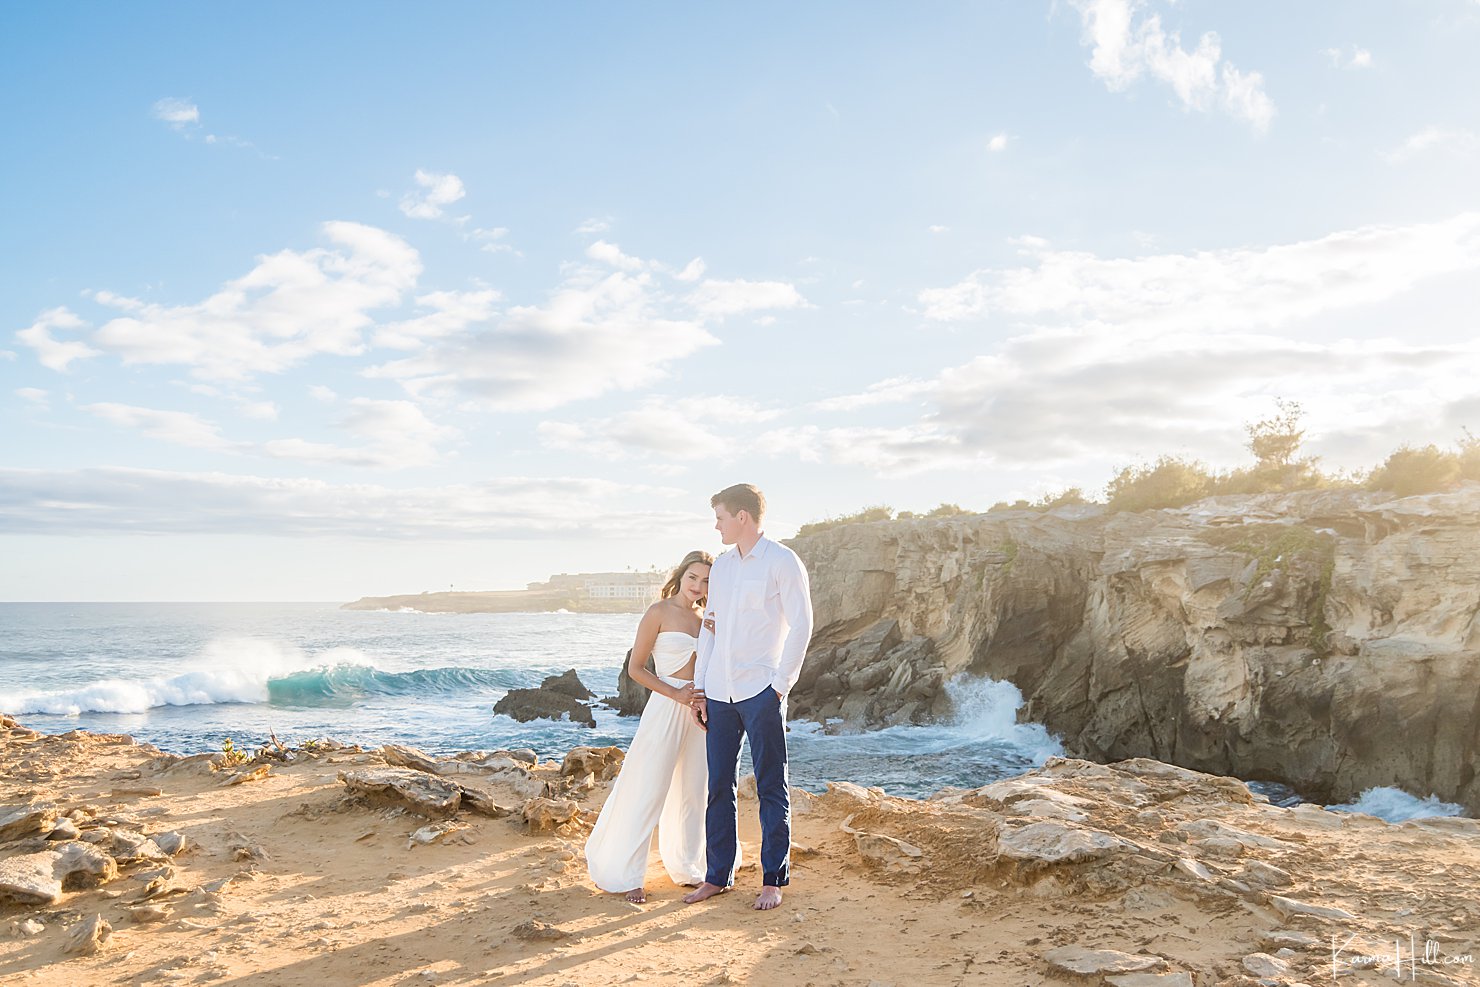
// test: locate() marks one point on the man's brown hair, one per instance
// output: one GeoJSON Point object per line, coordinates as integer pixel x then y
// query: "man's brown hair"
{"type": "Point", "coordinates": [741, 497]}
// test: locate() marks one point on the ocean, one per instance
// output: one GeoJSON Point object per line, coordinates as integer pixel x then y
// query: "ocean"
{"type": "Point", "coordinates": [187, 677]}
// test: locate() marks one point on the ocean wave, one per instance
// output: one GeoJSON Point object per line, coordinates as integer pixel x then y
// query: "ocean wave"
{"type": "Point", "coordinates": [984, 714]}
{"type": "Point", "coordinates": [346, 683]}
{"type": "Point", "coordinates": [256, 672]}
{"type": "Point", "coordinates": [1396, 805]}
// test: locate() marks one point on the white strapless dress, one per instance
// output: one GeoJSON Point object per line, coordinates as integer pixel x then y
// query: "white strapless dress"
{"type": "Point", "coordinates": [663, 784]}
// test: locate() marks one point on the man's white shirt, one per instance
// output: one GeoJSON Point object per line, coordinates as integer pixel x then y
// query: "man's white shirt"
{"type": "Point", "coordinates": [761, 605]}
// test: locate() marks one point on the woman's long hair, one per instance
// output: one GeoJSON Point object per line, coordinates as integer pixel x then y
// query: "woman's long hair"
{"type": "Point", "coordinates": [675, 579]}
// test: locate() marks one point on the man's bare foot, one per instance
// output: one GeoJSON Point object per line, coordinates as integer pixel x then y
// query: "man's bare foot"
{"type": "Point", "coordinates": [703, 892]}
{"type": "Point", "coordinates": [768, 898]}
{"type": "Point", "coordinates": [638, 896]}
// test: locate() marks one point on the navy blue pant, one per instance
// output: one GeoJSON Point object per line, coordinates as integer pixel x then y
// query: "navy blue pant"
{"type": "Point", "coordinates": [760, 719]}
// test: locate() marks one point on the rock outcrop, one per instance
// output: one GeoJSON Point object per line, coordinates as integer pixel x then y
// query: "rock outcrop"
{"type": "Point", "coordinates": [558, 697]}
{"type": "Point", "coordinates": [1328, 640]}
{"type": "Point", "coordinates": [632, 696]}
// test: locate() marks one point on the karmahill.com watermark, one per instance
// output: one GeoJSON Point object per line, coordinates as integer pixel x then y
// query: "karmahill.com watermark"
{"type": "Point", "coordinates": [1402, 956]}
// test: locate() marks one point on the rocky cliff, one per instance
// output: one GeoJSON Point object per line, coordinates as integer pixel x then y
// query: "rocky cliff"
{"type": "Point", "coordinates": [1328, 640]}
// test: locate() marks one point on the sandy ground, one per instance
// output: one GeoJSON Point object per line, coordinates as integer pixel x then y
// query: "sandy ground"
{"type": "Point", "coordinates": [321, 888]}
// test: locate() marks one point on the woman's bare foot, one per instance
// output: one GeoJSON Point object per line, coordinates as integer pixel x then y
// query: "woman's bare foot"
{"type": "Point", "coordinates": [638, 896]}
{"type": "Point", "coordinates": [702, 893]}
{"type": "Point", "coordinates": [768, 898]}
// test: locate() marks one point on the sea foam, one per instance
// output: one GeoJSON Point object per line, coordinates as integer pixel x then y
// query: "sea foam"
{"type": "Point", "coordinates": [227, 670]}
{"type": "Point", "coordinates": [1396, 805]}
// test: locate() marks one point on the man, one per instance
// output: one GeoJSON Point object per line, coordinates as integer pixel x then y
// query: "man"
{"type": "Point", "coordinates": [758, 622]}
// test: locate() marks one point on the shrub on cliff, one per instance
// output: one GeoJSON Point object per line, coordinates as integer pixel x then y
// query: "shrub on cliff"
{"type": "Point", "coordinates": [1417, 471]}
{"type": "Point", "coordinates": [879, 512]}
{"type": "Point", "coordinates": [1469, 457]}
{"type": "Point", "coordinates": [1170, 482]}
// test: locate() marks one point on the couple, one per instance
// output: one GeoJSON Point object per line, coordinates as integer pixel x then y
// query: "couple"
{"type": "Point", "coordinates": [727, 640]}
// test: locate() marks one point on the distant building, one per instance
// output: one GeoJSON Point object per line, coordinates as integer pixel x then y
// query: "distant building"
{"type": "Point", "coordinates": [607, 585]}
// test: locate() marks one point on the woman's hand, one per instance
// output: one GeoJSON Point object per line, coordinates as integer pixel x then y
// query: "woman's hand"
{"type": "Point", "coordinates": [685, 696]}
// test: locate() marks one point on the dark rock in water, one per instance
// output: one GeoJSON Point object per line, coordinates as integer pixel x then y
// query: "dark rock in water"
{"type": "Point", "coordinates": [568, 684]}
{"type": "Point", "coordinates": [631, 697]}
{"type": "Point", "coordinates": [535, 704]}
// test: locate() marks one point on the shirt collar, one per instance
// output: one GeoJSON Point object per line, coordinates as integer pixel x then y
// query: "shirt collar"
{"type": "Point", "coordinates": [758, 550]}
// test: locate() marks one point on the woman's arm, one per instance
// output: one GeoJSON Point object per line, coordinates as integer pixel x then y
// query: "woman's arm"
{"type": "Point", "coordinates": [642, 648]}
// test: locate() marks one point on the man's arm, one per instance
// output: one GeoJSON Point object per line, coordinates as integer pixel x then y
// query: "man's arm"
{"type": "Point", "coordinates": [796, 603]}
{"type": "Point", "coordinates": [704, 649]}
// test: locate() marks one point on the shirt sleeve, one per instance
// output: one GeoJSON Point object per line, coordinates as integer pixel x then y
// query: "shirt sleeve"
{"type": "Point", "coordinates": [704, 649]}
{"type": "Point", "coordinates": [796, 603]}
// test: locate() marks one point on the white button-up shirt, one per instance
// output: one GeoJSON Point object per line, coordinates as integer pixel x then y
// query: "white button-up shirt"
{"type": "Point", "coordinates": [761, 605]}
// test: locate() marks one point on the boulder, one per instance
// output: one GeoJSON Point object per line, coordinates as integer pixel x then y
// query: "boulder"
{"type": "Point", "coordinates": [1085, 961]}
{"type": "Point", "coordinates": [604, 762]}
{"type": "Point", "coordinates": [171, 843]}
{"type": "Point", "coordinates": [129, 847]}
{"type": "Point", "coordinates": [1290, 908]}
{"type": "Point", "coordinates": [398, 756]}
{"type": "Point", "coordinates": [87, 936]}
{"type": "Point", "coordinates": [569, 684]}
{"type": "Point", "coordinates": [405, 787]}
{"type": "Point", "coordinates": [543, 815]}
{"type": "Point", "coordinates": [27, 819]}
{"type": "Point", "coordinates": [41, 878]}
{"type": "Point", "coordinates": [536, 704]}
{"type": "Point", "coordinates": [1265, 965]}
{"type": "Point", "coordinates": [1051, 843]}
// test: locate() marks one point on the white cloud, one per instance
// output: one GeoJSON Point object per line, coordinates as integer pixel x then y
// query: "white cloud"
{"type": "Point", "coordinates": [265, 411]}
{"type": "Point", "coordinates": [722, 298]}
{"type": "Point", "coordinates": [595, 225]}
{"type": "Point", "coordinates": [434, 190]}
{"type": "Point", "coordinates": [1360, 58]}
{"type": "Point", "coordinates": [110, 500]}
{"type": "Point", "coordinates": [611, 254]}
{"type": "Point", "coordinates": [651, 429]}
{"type": "Point", "coordinates": [451, 312]}
{"type": "Point", "coordinates": [393, 434]}
{"type": "Point", "coordinates": [56, 353]}
{"type": "Point", "coordinates": [1123, 51]}
{"type": "Point", "coordinates": [692, 271]}
{"type": "Point", "coordinates": [178, 427]}
{"type": "Point", "coordinates": [323, 394]}
{"type": "Point", "coordinates": [998, 142]}
{"type": "Point", "coordinates": [701, 426]}
{"type": "Point", "coordinates": [940, 229]}
{"type": "Point", "coordinates": [176, 112]}
{"type": "Point", "coordinates": [289, 307]}
{"type": "Point", "coordinates": [492, 241]}
{"type": "Point", "coordinates": [1222, 289]}
{"type": "Point", "coordinates": [892, 391]}
{"type": "Point", "coordinates": [599, 331]}
{"type": "Point", "coordinates": [1436, 140]}
{"type": "Point", "coordinates": [1121, 358]}
{"type": "Point", "coordinates": [34, 396]}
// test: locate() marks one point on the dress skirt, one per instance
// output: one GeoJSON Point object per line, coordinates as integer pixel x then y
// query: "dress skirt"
{"type": "Point", "coordinates": [662, 785]}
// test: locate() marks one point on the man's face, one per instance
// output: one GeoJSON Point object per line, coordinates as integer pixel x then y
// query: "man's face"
{"type": "Point", "coordinates": [728, 525]}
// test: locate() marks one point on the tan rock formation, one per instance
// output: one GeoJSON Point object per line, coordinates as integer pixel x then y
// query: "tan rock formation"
{"type": "Point", "coordinates": [1329, 640]}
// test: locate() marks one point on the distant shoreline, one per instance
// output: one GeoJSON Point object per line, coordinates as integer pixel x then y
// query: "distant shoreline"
{"type": "Point", "coordinates": [497, 601]}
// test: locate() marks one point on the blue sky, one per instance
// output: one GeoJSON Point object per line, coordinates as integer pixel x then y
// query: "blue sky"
{"type": "Point", "coordinates": [315, 301]}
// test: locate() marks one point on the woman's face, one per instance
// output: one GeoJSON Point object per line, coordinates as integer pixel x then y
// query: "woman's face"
{"type": "Point", "coordinates": [694, 585]}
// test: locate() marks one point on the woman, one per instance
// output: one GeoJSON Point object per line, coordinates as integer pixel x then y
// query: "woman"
{"type": "Point", "coordinates": [663, 778]}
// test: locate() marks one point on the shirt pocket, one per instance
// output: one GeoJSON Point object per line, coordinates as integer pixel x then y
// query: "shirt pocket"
{"type": "Point", "coordinates": [752, 594]}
